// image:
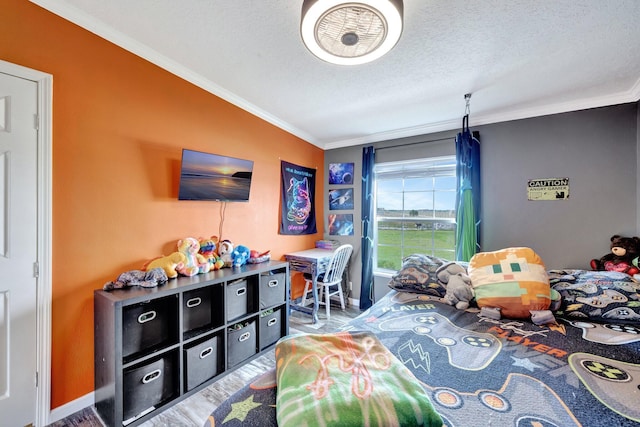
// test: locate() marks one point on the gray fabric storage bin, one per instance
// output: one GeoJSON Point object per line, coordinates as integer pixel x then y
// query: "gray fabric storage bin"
{"type": "Point", "coordinates": [148, 324]}
{"type": "Point", "coordinates": [272, 289]}
{"type": "Point", "coordinates": [196, 309]}
{"type": "Point", "coordinates": [237, 299]}
{"type": "Point", "coordinates": [201, 362]}
{"type": "Point", "coordinates": [270, 328]}
{"type": "Point", "coordinates": [147, 385]}
{"type": "Point", "coordinates": [241, 344]}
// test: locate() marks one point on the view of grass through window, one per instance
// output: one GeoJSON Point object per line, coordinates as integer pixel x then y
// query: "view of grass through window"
{"type": "Point", "coordinates": [415, 210]}
{"type": "Point", "coordinates": [391, 251]}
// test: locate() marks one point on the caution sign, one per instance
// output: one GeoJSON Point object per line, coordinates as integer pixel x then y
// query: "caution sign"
{"type": "Point", "coordinates": [548, 189]}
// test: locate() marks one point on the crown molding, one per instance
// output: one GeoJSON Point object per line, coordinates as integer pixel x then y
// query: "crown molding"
{"type": "Point", "coordinates": [106, 32]}
{"type": "Point", "coordinates": [632, 95]}
{"type": "Point", "coordinates": [87, 22]}
{"type": "Point", "coordinates": [635, 91]}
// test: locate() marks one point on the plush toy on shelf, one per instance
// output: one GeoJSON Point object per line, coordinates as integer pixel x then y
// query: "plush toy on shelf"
{"type": "Point", "coordinates": [195, 262]}
{"type": "Point", "coordinates": [225, 251]}
{"type": "Point", "coordinates": [256, 257]}
{"type": "Point", "coordinates": [209, 250]}
{"type": "Point", "coordinates": [240, 255]}
{"type": "Point", "coordinates": [145, 279]}
{"type": "Point", "coordinates": [170, 264]}
{"type": "Point", "coordinates": [624, 250]}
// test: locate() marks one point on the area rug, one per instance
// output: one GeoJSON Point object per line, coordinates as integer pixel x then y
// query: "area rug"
{"type": "Point", "coordinates": [257, 398]}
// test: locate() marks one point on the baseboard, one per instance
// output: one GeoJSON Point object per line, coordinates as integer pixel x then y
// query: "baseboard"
{"type": "Point", "coordinates": [354, 302]}
{"type": "Point", "coordinates": [70, 408]}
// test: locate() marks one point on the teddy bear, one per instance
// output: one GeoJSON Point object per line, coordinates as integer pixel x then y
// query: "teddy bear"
{"type": "Point", "coordinates": [170, 264]}
{"type": "Point", "coordinates": [146, 279]}
{"type": "Point", "coordinates": [208, 249]}
{"type": "Point", "coordinates": [195, 262]}
{"type": "Point", "coordinates": [458, 285]}
{"type": "Point", "coordinates": [624, 250]}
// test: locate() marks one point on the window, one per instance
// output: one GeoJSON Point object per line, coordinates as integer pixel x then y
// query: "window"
{"type": "Point", "coordinates": [415, 210]}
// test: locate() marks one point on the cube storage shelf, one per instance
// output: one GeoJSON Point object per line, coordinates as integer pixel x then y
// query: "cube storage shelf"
{"type": "Point", "coordinates": [156, 346]}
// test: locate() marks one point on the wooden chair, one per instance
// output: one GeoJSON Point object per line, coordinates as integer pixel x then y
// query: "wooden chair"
{"type": "Point", "coordinates": [330, 279]}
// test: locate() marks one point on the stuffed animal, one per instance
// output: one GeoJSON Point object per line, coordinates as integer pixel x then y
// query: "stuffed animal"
{"type": "Point", "coordinates": [225, 251]}
{"type": "Point", "coordinates": [458, 285]}
{"type": "Point", "coordinates": [624, 250]}
{"type": "Point", "coordinates": [146, 279]}
{"type": "Point", "coordinates": [170, 264]}
{"type": "Point", "coordinates": [513, 283]}
{"type": "Point", "coordinates": [256, 257]}
{"type": "Point", "coordinates": [208, 249]}
{"type": "Point", "coordinates": [195, 262]}
{"type": "Point", "coordinates": [240, 255]}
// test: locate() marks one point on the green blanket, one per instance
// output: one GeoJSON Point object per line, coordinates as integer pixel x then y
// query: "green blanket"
{"type": "Point", "coordinates": [346, 379]}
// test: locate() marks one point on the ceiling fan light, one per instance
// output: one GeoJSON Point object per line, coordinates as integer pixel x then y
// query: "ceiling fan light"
{"type": "Point", "coordinates": [351, 32]}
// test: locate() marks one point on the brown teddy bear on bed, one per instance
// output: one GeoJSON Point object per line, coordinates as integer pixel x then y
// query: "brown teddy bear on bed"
{"type": "Point", "coordinates": [623, 251]}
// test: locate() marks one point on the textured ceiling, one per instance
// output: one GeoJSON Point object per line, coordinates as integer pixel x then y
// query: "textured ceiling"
{"type": "Point", "coordinates": [518, 58]}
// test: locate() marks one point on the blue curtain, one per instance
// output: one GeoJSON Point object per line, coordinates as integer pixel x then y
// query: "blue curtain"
{"type": "Point", "coordinates": [366, 243]}
{"type": "Point", "coordinates": [468, 215]}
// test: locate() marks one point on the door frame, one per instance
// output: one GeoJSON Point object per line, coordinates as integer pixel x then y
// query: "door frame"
{"type": "Point", "coordinates": [44, 83]}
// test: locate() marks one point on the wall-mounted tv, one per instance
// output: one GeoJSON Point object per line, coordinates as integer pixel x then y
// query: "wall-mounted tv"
{"type": "Point", "coordinates": [207, 176]}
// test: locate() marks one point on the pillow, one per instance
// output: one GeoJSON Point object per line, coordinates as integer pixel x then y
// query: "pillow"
{"type": "Point", "coordinates": [598, 296]}
{"type": "Point", "coordinates": [346, 379]}
{"type": "Point", "coordinates": [418, 274]}
{"type": "Point", "coordinates": [513, 279]}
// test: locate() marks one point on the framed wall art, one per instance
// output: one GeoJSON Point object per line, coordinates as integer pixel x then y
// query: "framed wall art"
{"type": "Point", "coordinates": [340, 173]}
{"type": "Point", "coordinates": [341, 224]}
{"type": "Point", "coordinates": [341, 199]}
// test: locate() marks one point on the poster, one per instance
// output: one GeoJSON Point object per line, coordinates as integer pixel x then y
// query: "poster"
{"type": "Point", "coordinates": [548, 189]}
{"type": "Point", "coordinates": [341, 224]}
{"type": "Point", "coordinates": [297, 198]}
{"type": "Point", "coordinates": [341, 198]}
{"type": "Point", "coordinates": [340, 173]}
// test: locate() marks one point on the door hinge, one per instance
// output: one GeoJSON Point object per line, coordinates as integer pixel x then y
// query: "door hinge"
{"type": "Point", "coordinates": [36, 269]}
{"type": "Point", "coordinates": [36, 122]}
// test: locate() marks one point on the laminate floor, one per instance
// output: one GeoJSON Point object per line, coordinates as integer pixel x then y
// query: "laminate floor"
{"type": "Point", "coordinates": [194, 410]}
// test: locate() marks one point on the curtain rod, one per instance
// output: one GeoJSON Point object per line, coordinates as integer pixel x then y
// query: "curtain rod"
{"type": "Point", "coordinates": [415, 143]}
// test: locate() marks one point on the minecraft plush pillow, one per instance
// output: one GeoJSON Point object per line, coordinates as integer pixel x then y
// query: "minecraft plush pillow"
{"type": "Point", "coordinates": [418, 274]}
{"type": "Point", "coordinates": [512, 280]}
{"type": "Point", "coordinates": [599, 296]}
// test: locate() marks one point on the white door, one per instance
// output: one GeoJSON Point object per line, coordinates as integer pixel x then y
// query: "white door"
{"type": "Point", "coordinates": [18, 250]}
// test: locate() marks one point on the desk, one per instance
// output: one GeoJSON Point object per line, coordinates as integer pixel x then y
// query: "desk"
{"type": "Point", "coordinates": [314, 262]}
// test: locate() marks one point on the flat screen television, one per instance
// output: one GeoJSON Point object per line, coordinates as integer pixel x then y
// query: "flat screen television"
{"type": "Point", "coordinates": [207, 176]}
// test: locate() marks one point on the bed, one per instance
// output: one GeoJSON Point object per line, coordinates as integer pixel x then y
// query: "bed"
{"type": "Point", "coordinates": [582, 370]}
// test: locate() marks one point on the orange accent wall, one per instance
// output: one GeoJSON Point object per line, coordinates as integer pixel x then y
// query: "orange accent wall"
{"type": "Point", "coordinates": [119, 125]}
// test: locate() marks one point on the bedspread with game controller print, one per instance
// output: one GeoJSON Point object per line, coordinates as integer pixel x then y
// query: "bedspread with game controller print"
{"type": "Point", "coordinates": [481, 371]}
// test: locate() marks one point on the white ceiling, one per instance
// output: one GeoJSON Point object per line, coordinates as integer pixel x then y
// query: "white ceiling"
{"type": "Point", "coordinates": [518, 58]}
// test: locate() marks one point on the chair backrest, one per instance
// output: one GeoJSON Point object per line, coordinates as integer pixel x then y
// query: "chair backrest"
{"type": "Point", "coordinates": [337, 264]}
